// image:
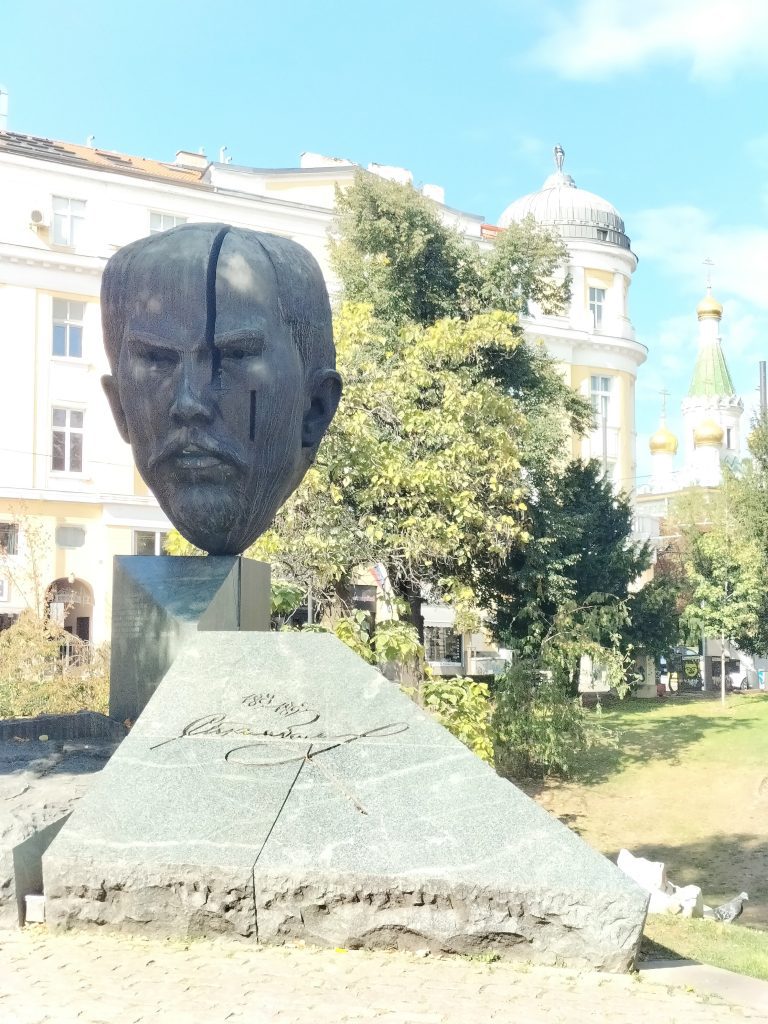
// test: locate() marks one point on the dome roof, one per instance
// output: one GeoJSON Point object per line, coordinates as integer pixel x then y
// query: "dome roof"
{"type": "Point", "coordinates": [575, 212]}
{"type": "Point", "coordinates": [663, 441]}
{"type": "Point", "coordinates": [709, 307]}
{"type": "Point", "coordinates": [708, 433]}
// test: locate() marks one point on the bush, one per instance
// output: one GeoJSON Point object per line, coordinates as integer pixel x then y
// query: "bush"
{"type": "Point", "coordinates": [463, 706]}
{"type": "Point", "coordinates": [537, 728]}
{"type": "Point", "coordinates": [34, 680]}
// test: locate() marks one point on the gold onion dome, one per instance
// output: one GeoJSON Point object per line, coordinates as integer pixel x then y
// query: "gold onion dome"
{"type": "Point", "coordinates": [708, 432]}
{"type": "Point", "coordinates": [709, 307]}
{"type": "Point", "coordinates": [663, 441]}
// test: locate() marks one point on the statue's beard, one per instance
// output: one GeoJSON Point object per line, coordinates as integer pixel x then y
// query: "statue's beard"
{"type": "Point", "coordinates": [213, 518]}
{"type": "Point", "coordinates": [225, 518]}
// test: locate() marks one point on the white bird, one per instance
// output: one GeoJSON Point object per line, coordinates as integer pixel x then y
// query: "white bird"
{"type": "Point", "coordinates": [732, 909]}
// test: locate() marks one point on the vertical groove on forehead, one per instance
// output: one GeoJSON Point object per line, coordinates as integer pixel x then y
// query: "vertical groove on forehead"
{"type": "Point", "coordinates": [210, 296]}
{"type": "Point", "coordinates": [268, 253]}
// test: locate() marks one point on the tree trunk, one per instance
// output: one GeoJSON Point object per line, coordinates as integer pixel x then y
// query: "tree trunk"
{"type": "Point", "coordinates": [722, 669]}
{"type": "Point", "coordinates": [412, 595]}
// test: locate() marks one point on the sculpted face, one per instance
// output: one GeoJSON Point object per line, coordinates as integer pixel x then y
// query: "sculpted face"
{"type": "Point", "coordinates": [224, 382]}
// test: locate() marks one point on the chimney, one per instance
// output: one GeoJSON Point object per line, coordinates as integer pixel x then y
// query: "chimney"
{"type": "Point", "coordinates": [434, 192]}
{"type": "Point", "coordinates": [197, 161]}
{"type": "Point", "coordinates": [3, 109]}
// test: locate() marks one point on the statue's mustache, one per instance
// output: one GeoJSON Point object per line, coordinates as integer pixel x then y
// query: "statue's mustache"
{"type": "Point", "coordinates": [199, 444]}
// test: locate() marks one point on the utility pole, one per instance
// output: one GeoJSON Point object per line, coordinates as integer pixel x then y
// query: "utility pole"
{"type": "Point", "coordinates": [763, 391]}
{"type": "Point", "coordinates": [722, 669]}
{"type": "Point", "coordinates": [725, 597]}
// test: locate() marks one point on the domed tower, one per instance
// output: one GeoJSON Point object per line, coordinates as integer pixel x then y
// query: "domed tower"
{"type": "Point", "coordinates": [594, 339]}
{"type": "Point", "coordinates": [711, 410]}
{"type": "Point", "coordinates": [663, 445]}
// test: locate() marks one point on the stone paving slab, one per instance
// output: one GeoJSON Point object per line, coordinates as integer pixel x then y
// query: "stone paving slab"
{"type": "Point", "coordinates": [40, 783]}
{"type": "Point", "coordinates": [730, 987]}
{"type": "Point", "coordinates": [87, 978]}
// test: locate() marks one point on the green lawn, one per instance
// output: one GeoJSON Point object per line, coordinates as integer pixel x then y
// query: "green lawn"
{"type": "Point", "coordinates": [687, 784]}
{"type": "Point", "coordinates": [744, 950]}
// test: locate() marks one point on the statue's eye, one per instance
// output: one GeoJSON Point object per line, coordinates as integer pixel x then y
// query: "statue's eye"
{"type": "Point", "coordinates": [161, 359]}
{"type": "Point", "coordinates": [243, 345]}
{"type": "Point", "coordinates": [158, 359]}
{"type": "Point", "coordinates": [153, 357]}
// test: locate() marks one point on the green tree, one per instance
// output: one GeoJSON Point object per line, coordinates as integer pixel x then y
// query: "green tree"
{"type": "Point", "coordinates": [721, 545]}
{"type": "Point", "coordinates": [392, 251]}
{"type": "Point", "coordinates": [526, 265]}
{"type": "Point", "coordinates": [580, 557]}
{"type": "Point", "coordinates": [421, 468]}
{"type": "Point", "coordinates": [415, 275]}
{"type": "Point", "coordinates": [538, 728]}
{"type": "Point", "coordinates": [726, 573]}
{"type": "Point", "coordinates": [654, 616]}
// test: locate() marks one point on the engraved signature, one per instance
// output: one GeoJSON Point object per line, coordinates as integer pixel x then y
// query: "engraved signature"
{"type": "Point", "coordinates": [299, 730]}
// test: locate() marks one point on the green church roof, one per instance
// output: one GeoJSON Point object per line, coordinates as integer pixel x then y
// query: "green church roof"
{"type": "Point", "coordinates": [710, 375]}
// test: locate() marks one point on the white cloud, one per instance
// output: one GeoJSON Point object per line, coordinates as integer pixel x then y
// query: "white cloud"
{"type": "Point", "coordinates": [679, 238]}
{"type": "Point", "coordinates": [595, 39]}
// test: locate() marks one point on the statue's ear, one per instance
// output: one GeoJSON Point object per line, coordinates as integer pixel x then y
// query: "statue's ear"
{"type": "Point", "coordinates": [324, 396]}
{"type": "Point", "coordinates": [109, 383]}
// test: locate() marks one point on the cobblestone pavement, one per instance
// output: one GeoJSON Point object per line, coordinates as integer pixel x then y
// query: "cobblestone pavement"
{"type": "Point", "coordinates": [106, 979]}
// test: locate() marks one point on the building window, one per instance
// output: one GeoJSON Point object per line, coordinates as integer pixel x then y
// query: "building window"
{"type": "Point", "coordinates": [728, 437]}
{"type": "Point", "coordinates": [68, 218]}
{"type": "Point", "coordinates": [602, 234]}
{"type": "Point", "coordinates": [68, 328]}
{"type": "Point", "coordinates": [596, 301]}
{"type": "Point", "coordinates": [442, 644]}
{"type": "Point", "coordinates": [163, 221]}
{"type": "Point", "coordinates": [67, 441]}
{"type": "Point", "coordinates": [9, 539]}
{"type": "Point", "coordinates": [149, 542]}
{"type": "Point", "coordinates": [4, 594]}
{"type": "Point", "coordinates": [600, 395]}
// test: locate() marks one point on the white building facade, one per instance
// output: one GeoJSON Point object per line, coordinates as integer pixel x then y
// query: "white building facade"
{"type": "Point", "coordinates": [593, 340]}
{"type": "Point", "coordinates": [70, 497]}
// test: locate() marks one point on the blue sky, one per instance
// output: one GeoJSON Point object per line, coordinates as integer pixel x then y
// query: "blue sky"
{"type": "Point", "coordinates": [659, 106]}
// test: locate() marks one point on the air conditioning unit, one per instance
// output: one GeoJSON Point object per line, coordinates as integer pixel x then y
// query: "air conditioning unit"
{"type": "Point", "coordinates": [37, 219]}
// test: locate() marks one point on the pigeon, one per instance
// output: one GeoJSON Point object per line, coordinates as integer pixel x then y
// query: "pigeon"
{"type": "Point", "coordinates": [729, 911]}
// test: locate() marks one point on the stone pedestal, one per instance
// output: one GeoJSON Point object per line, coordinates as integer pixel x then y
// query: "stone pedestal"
{"type": "Point", "coordinates": [278, 788]}
{"type": "Point", "coordinates": [159, 603]}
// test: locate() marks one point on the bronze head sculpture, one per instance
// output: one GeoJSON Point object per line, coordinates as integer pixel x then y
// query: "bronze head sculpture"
{"type": "Point", "coordinates": [223, 373]}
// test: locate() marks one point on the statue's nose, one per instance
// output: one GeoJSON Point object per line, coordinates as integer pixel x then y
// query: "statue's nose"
{"type": "Point", "coordinates": [191, 404]}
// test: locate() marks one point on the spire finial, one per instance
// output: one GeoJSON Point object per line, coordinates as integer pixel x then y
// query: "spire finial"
{"type": "Point", "coordinates": [559, 157]}
{"type": "Point", "coordinates": [664, 396]}
{"type": "Point", "coordinates": [709, 263]}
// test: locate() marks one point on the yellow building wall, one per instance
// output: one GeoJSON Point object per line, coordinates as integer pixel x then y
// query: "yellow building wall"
{"type": "Point", "coordinates": [41, 561]}
{"type": "Point", "coordinates": [625, 396]}
{"type": "Point", "coordinates": [139, 487]}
